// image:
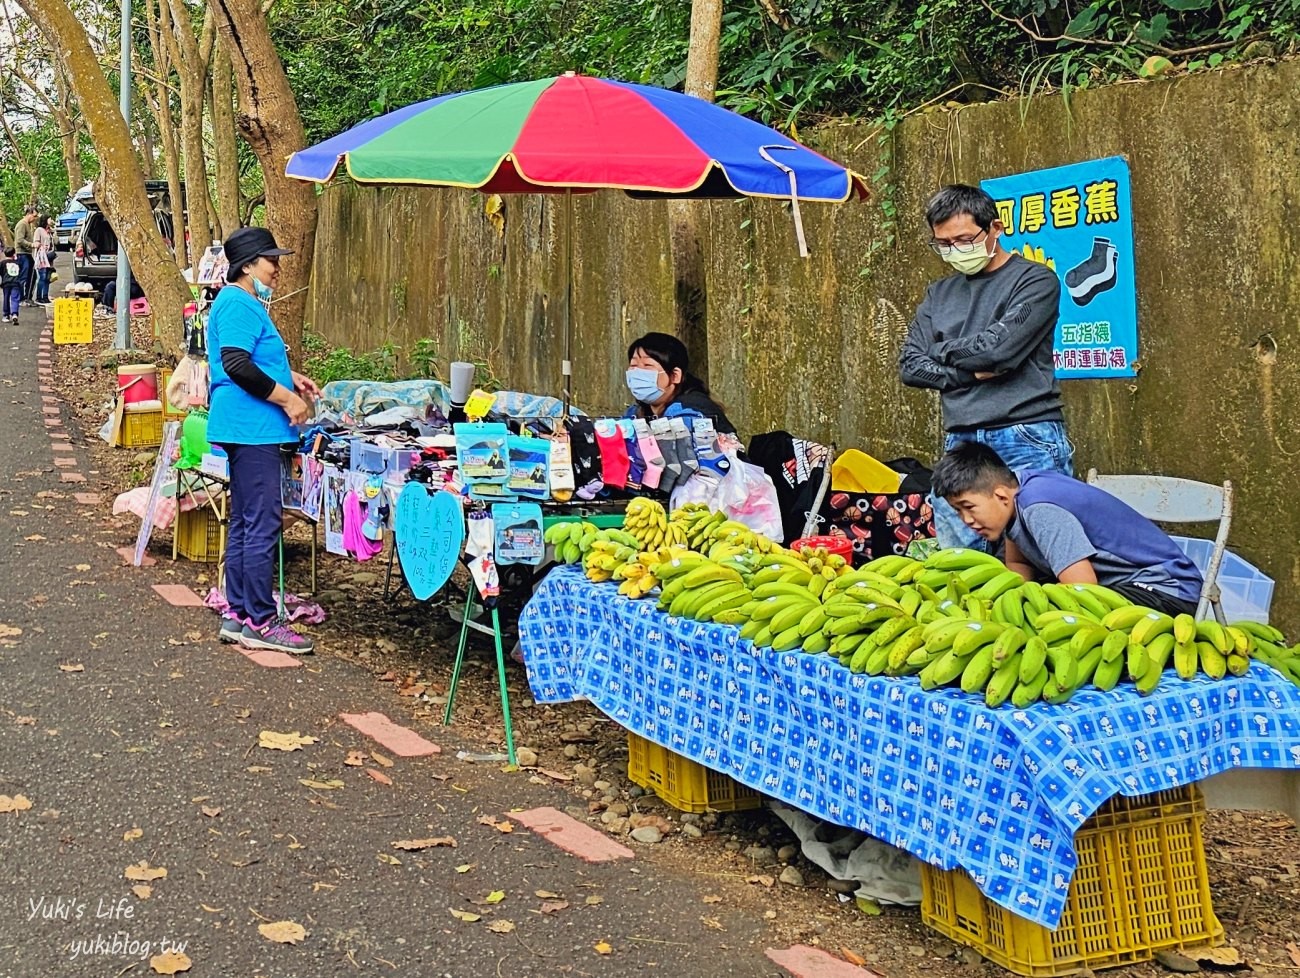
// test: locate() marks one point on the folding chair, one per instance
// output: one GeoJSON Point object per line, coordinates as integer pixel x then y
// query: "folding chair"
{"type": "Point", "coordinates": [1166, 499]}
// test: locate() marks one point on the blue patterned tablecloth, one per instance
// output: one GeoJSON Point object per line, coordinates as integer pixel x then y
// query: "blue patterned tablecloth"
{"type": "Point", "coordinates": [998, 792]}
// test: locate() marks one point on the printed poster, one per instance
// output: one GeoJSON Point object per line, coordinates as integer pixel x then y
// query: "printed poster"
{"type": "Point", "coordinates": [1078, 220]}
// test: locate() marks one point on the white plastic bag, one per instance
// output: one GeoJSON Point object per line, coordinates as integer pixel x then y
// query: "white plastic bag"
{"type": "Point", "coordinates": [747, 496]}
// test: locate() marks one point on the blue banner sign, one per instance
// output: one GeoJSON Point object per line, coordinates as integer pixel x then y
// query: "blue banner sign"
{"type": "Point", "coordinates": [1078, 220]}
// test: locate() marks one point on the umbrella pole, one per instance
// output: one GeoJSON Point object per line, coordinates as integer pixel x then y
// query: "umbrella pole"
{"type": "Point", "coordinates": [566, 367]}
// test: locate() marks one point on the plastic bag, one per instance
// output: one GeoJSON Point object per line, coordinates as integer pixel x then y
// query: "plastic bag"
{"type": "Point", "coordinates": [745, 494]}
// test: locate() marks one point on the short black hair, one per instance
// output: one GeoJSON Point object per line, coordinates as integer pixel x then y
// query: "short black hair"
{"type": "Point", "coordinates": [959, 198]}
{"type": "Point", "coordinates": [970, 467]}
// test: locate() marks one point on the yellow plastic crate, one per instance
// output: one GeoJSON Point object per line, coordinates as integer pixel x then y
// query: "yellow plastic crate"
{"type": "Point", "coordinates": [198, 535]}
{"type": "Point", "coordinates": [1141, 885]}
{"type": "Point", "coordinates": [142, 429]}
{"type": "Point", "coordinates": [687, 786]}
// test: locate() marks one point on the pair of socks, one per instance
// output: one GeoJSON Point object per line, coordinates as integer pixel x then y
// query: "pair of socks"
{"type": "Point", "coordinates": [561, 469]}
{"type": "Point", "coordinates": [614, 460]}
{"type": "Point", "coordinates": [636, 463]}
{"type": "Point", "coordinates": [705, 437]}
{"type": "Point", "coordinates": [675, 445]}
{"type": "Point", "coordinates": [652, 458]}
{"type": "Point", "coordinates": [587, 461]}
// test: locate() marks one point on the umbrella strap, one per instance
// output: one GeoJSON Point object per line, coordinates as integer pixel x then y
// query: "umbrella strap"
{"type": "Point", "coordinates": [794, 194]}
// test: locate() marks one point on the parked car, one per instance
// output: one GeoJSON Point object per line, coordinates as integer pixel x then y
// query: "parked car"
{"type": "Point", "coordinates": [95, 257]}
{"type": "Point", "coordinates": [67, 226]}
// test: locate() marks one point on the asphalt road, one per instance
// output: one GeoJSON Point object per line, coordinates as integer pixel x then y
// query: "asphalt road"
{"type": "Point", "coordinates": [134, 735]}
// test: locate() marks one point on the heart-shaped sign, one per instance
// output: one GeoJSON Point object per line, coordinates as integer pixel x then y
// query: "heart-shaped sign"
{"type": "Point", "coordinates": [430, 530]}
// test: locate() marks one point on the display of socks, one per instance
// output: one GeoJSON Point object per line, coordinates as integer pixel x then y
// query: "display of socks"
{"type": "Point", "coordinates": [685, 447]}
{"type": "Point", "coordinates": [614, 462]}
{"type": "Point", "coordinates": [650, 454]}
{"type": "Point", "coordinates": [561, 471]}
{"type": "Point", "coordinates": [705, 437]}
{"type": "Point", "coordinates": [586, 460]}
{"type": "Point", "coordinates": [663, 435]}
{"type": "Point", "coordinates": [636, 470]}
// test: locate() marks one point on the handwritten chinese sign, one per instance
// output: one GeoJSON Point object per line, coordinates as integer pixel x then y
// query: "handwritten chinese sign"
{"type": "Point", "coordinates": [1078, 220]}
{"type": "Point", "coordinates": [430, 529]}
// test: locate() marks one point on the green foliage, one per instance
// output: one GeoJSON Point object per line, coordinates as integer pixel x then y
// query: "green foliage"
{"type": "Point", "coordinates": [426, 359]}
{"type": "Point", "coordinates": [40, 147]}
{"type": "Point", "coordinates": [324, 363]}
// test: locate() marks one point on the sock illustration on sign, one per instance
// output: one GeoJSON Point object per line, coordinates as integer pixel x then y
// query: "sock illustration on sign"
{"type": "Point", "coordinates": [1094, 275]}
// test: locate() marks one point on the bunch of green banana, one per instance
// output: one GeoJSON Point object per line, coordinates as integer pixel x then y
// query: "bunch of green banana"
{"type": "Point", "coordinates": [572, 540]}
{"type": "Point", "coordinates": [695, 587]}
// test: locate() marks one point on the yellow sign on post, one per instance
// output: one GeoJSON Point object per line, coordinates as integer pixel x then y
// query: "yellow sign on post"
{"type": "Point", "coordinates": [73, 320]}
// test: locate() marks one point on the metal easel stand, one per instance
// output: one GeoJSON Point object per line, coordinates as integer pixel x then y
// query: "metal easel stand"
{"type": "Point", "coordinates": [495, 631]}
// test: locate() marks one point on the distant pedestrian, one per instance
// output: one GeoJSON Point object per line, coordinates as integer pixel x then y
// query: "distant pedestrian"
{"type": "Point", "coordinates": [11, 289]}
{"type": "Point", "coordinates": [43, 253]}
{"type": "Point", "coordinates": [24, 240]}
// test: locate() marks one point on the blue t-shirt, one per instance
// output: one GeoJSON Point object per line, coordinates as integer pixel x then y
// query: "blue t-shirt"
{"type": "Point", "coordinates": [236, 416]}
{"type": "Point", "coordinates": [1060, 521]}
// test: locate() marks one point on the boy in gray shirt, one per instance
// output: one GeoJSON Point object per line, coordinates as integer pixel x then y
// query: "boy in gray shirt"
{"type": "Point", "coordinates": [983, 338]}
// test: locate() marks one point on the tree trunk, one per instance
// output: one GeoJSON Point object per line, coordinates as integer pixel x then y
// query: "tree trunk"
{"type": "Point", "coordinates": [193, 75]}
{"type": "Point", "coordinates": [161, 102]}
{"type": "Point", "coordinates": [69, 134]}
{"type": "Point", "coordinates": [6, 232]}
{"type": "Point", "coordinates": [269, 121]}
{"type": "Point", "coordinates": [121, 184]}
{"type": "Point", "coordinates": [690, 286]}
{"type": "Point", "coordinates": [225, 151]}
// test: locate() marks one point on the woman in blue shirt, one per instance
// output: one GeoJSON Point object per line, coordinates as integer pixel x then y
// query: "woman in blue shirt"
{"type": "Point", "coordinates": [256, 400]}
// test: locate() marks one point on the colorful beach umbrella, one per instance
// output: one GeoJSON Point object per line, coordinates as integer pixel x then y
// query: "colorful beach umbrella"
{"type": "Point", "coordinates": [574, 133]}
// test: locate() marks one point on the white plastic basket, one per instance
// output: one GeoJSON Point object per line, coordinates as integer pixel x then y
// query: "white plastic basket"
{"type": "Point", "coordinates": [1245, 590]}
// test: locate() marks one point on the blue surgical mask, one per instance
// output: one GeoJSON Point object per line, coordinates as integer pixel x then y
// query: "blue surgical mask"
{"type": "Point", "coordinates": [644, 384]}
{"type": "Point", "coordinates": [261, 290]}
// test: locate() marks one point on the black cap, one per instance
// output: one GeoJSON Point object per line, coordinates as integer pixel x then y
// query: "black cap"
{"type": "Point", "coordinates": [247, 245]}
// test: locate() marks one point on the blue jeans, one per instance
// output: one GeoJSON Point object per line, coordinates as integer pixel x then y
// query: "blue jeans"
{"type": "Point", "coordinates": [43, 284]}
{"type": "Point", "coordinates": [255, 523]}
{"type": "Point", "coordinates": [26, 265]}
{"type": "Point", "coordinates": [1042, 445]}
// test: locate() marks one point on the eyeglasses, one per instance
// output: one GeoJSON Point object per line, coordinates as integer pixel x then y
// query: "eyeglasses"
{"type": "Point", "coordinates": [963, 245]}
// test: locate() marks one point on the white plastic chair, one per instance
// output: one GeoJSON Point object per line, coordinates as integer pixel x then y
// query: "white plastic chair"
{"type": "Point", "coordinates": [1165, 499]}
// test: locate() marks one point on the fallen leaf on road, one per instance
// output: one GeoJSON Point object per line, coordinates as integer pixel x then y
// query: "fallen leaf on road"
{"type": "Point", "coordinates": [1219, 957]}
{"type": "Point", "coordinates": [130, 835]}
{"type": "Point", "coordinates": [76, 667]}
{"type": "Point", "coordinates": [9, 632]}
{"type": "Point", "coordinates": [853, 957]}
{"type": "Point", "coordinates": [380, 759]}
{"type": "Point", "coordinates": [143, 891]}
{"type": "Point", "coordinates": [170, 963]}
{"type": "Point", "coordinates": [762, 879]}
{"type": "Point", "coordinates": [18, 803]}
{"type": "Point", "coordinates": [329, 785]}
{"type": "Point", "coordinates": [592, 901]}
{"type": "Point", "coordinates": [82, 567]}
{"type": "Point", "coordinates": [554, 906]}
{"type": "Point", "coordinates": [546, 895]}
{"type": "Point", "coordinates": [466, 916]}
{"type": "Point", "coordinates": [415, 845]}
{"type": "Point", "coordinates": [384, 857]}
{"type": "Point", "coordinates": [492, 821]}
{"type": "Point", "coordinates": [25, 721]}
{"type": "Point", "coordinates": [712, 923]}
{"type": "Point", "coordinates": [17, 512]}
{"type": "Point", "coordinates": [712, 898]}
{"type": "Point", "coordinates": [496, 896]}
{"type": "Point", "coordinates": [501, 927]}
{"type": "Point", "coordinates": [35, 537]}
{"type": "Point", "coordinates": [556, 775]}
{"type": "Point", "coordinates": [379, 776]}
{"type": "Point", "coordinates": [355, 758]}
{"type": "Point", "coordinates": [602, 947]}
{"type": "Point", "coordinates": [283, 741]}
{"type": "Point", "coordinates": [142, 872]}
{"type": "Point", "coordinates": [257, 769]}
{"type": "Point", "coordinates": [210, 812]}
{"type": "Point", "coordinates": [1293, 953]}
{"type": "Point", "coordinates": [204, 906]}
{"type": "Point", "coordinates": [464, 867]}
{"type": "Point", "coordinates": [283, 932]}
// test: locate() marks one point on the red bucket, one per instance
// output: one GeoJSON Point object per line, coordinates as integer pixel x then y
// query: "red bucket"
{"type": "Point", "coordinates": [138, 382]}
{"type": "Point", "coordinates": [834, 545]}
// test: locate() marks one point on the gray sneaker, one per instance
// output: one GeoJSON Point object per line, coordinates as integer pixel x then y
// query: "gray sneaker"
{"type": "Point", "coordinates": [232, 628]}
{"type": "Point", "coordinates": [274, 635]}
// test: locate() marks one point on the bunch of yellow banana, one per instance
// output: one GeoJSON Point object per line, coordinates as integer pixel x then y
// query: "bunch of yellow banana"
{"type": "Point", "coordinates": [646, 520]}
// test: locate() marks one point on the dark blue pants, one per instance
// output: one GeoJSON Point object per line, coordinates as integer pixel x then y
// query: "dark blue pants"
{"type": "Point", "coordinates": [13, 295]}
{"type": "Point", "coordinates": [26, 275]}
{"type": "Point", "coordinates": [255, 522]}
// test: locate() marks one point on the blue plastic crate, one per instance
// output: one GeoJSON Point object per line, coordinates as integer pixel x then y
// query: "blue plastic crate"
{"type": "Point", "coordinates": [1245, 590]}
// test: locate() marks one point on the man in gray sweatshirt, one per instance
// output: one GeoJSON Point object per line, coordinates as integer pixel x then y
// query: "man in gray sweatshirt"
{"type": "Point", "coordinates": [982, 337]}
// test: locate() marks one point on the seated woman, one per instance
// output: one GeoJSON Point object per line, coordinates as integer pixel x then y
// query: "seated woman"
{"type": "Point", "coordinates": [659, 377]}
